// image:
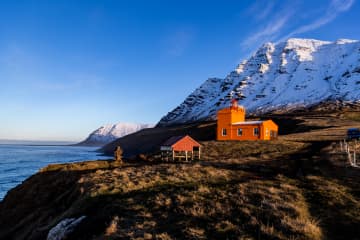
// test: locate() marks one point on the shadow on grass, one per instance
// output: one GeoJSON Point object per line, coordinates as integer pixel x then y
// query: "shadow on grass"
{"type": "Point", "coordinates": [290, 125]}
{"type": "Point", "coordinates": [339, 218]}
{"type": "Point", "coordinates": [336, 209]}
{"type": "Point", "coordinates": [332, 194]}
{"type": "Point", "coordinates": [28, 210]}
{"type": "Point", "coordinates": [159, 210]}
{"type": "Point", "coordinates": [224, 210]}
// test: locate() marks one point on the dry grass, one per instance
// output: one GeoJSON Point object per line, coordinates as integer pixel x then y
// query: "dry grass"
{"type": "Point", "coordinates": [238, 152]}
{"type": "Point", "coordinates": [200, 202]}
{"type": "Point", "coordinates": [112, 228]}
{"type": "Point", "coordinates": [81, 166]}
{"type": "Point", "coordinates": [137, 177]}
{"type": "Point", "coordinates": [240, 190]}
{"type": "Point", "coordinates": [355, 116]}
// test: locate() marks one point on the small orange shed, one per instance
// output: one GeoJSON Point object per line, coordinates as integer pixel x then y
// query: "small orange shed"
{"type": "Point", "coordinates": [180, 147]}
{"type": "Point", "coordinates": [231, 125]}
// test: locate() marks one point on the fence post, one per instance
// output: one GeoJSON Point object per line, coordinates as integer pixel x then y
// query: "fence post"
{"type": "Point", "coordinates": [341, 146]}
{"type": "Point", "coordinates": [354, 158]}
{"type": "Point", "coordinates": [356, 145]}
{"type": "Point", "coordinates": [349, 158]}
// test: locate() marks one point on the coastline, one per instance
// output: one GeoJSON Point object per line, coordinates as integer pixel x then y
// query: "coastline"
{"type": "Point", "coordinates": [297, 186]}
{"type": "Point", "coordinates": [19, 161]}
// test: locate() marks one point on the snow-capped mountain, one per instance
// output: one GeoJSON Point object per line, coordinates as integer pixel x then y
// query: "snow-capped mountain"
{"type": "Point", "coordinates": [298, 72]}
{"type": "Point", "coordinates": [110, 132]}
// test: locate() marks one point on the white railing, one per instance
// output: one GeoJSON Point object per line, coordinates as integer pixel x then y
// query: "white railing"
{"type": "Point", "coordinates": [350, 148]}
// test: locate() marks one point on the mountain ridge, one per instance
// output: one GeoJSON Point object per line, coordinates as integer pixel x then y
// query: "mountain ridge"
{"type": "Point", "coordinates": [286, 75]}
{"type": "Point", "coordinates": [110, 132]}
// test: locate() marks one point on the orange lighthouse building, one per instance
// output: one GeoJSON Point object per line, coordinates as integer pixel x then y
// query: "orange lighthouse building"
{"type": "Point", "coordinates": [231, 125]}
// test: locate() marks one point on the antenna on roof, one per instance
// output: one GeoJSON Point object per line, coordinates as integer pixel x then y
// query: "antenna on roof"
{"type": "Point", "coordinates": [230, 95]}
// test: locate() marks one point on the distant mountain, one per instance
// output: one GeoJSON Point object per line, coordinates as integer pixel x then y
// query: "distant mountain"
{"type": "Point", "coordinates": [287, 75]}
{"type": "Point", "coordinates": [111, 132]}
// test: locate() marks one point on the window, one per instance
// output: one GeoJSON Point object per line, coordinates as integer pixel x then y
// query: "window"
{"type": "Point", "coordinates": [267, 132]}
{"type": "Point", "coordinates": [256, 131]}
{"type": "Point", "coordinates": [239, 132]}
{"type": "Point", "coordinates": [273, 134]}
{"type": "Point", "coordinates": [223, 132]}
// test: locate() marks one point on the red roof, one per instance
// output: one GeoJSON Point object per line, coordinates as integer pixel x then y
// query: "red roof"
{"type": "Point", "coordinates": [171, 141]}
{"type": "Point", "coordinates": [181, 143]}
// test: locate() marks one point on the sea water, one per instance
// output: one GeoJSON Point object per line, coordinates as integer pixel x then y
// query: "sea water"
{"type": "Point", "coordinates": [18, 162]}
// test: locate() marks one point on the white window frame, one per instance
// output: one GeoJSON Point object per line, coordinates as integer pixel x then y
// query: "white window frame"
{"type": "Point", "coordinates": [239, 130]}
{"type": "Point", "coordinates": [223, 132]}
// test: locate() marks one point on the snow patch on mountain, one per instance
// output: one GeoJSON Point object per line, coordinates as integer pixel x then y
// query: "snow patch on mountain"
{"type": "Point", "coordinates": [111, 132]}
{"type": "Point", "coordinates": [298, 72]}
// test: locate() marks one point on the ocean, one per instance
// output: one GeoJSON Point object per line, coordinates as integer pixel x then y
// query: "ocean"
{"type": "Point", "coordinates": [18, 162]}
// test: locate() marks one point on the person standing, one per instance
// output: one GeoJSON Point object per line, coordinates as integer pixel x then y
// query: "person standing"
{"type": "Point", "coordinates": [118, 154]}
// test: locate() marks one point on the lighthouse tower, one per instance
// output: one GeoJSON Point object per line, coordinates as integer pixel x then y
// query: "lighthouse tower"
{"type": "Point", "coordinates": [227, 117]}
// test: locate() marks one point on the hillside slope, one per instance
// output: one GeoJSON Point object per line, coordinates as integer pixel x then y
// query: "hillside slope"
{"type": "Point", "coordinates": [297, 187]}
{"type": "Point", "coordinates": [287, 75]}
{"type": "Point", "coordinates": [149, 140]}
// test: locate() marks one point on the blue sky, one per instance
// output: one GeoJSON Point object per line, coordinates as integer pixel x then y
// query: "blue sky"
{"type": "Point", "coordinates": [68, 67]}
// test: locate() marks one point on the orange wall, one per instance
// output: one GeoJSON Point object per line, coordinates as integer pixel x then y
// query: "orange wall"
{"type": "Point", "coordinates": [271, 126]}
{"type": "Point", "coordinates": [231, 114]}
{"type": "Point", "coordinates": [248, 132]}
{"type": "Point", "coordinates": [228, 116]}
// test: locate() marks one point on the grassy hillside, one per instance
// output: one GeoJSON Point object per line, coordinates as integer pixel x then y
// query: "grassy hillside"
{"type": "Point", "coordinates": [297, 187]}
{"type": "Point", "coordinates": [326, 115]}
{"type": "Point", "coordinates": [150, 140]}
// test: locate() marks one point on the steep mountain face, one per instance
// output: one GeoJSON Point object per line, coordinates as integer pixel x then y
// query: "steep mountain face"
{"type": "Point", "coordinates": [287, 75]}
{"type": "Point", "coordinates": [111, 132]}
